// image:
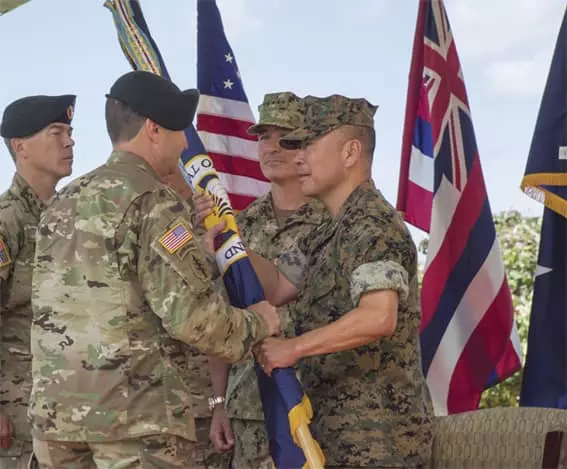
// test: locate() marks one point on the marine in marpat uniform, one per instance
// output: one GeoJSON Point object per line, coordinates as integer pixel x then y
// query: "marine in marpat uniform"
{"type": "Point", "coordinates": [37, 132]}
{"type": "Point", "coordinates": [120, 286]}
{"type": "Point", "coordinates": [358, 313]}
{"type": "Point", "coordinates": [270, 225]}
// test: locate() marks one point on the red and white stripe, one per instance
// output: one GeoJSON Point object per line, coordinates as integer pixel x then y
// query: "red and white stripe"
{"type": "Point", "coordinates": [222, 126]}
{"type": "Point", "coordinates": [451, 374]}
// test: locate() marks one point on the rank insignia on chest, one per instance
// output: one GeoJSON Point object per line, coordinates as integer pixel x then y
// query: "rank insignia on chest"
{"type": "Point", "coordinates": [5, 258]}
{"type": "Point", "coordinates": [176, 238]}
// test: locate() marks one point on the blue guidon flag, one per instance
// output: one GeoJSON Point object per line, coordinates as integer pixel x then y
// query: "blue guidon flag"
{"type": "Point", "coordinates": [223, 117]}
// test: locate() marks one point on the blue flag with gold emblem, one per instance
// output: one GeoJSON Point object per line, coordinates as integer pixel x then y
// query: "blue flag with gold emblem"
{"type": "Point", "coordinates": [544, 382]}
{"type": "Point", "coordinates": [287, 409]}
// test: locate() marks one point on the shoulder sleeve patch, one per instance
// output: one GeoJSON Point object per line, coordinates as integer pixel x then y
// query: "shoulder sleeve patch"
{"type": "Point", "coordinates": [5, 258]}
{"type": "Point", "coordinates": [176, 237]}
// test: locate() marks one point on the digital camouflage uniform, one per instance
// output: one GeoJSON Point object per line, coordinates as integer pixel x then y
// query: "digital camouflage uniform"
{"type": "Point", "coordinates": [268, 234]}
{"type": "Point", "coordinates": [372, 406]}
{"type": "Point", "coordinates": [120, 287]}
{"type": "Point", "coordinates": [264, 234]}
{"type": "Point", "coordinates": [20, 210]}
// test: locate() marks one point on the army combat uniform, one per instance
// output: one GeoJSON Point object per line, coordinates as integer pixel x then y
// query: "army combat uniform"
{"type": "Point", "coordinates": [20, 209]}
{"type": "Point", "coordinates": [120, 286]}
{"type": "Point", "coordinates": [372, 406]}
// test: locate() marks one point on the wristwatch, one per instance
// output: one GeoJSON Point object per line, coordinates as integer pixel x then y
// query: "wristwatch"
{"type": "Point", "coordinates": [215, 401]}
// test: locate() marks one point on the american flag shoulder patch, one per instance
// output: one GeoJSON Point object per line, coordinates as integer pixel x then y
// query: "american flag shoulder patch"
{"type": "Point", "coordinates": [176, 237]}
{"type": "Point", "coordinates": [5, 258]}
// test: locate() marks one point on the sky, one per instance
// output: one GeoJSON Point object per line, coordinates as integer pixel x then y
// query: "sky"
{"type": "Point", "coordinates": [358, 48]}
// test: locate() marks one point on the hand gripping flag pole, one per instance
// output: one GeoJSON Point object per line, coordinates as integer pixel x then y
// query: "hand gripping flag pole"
{"type": "Point", "coordinates": [287, 409]}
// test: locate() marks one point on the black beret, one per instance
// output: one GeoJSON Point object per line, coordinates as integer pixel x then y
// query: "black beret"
{"type": "Point", "coordinates": [29, 115]}
{"type": "Point", "coordinates": [156, 98]}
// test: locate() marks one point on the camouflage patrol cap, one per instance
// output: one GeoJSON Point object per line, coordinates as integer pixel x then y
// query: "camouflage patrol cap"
{"type": "Point", "coordinates": [280, 110]}
{"type": "Point", "coordinates": [323, 115]}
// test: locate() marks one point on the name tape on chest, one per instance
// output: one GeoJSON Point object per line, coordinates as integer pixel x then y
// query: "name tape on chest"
{"type": "Point", "coordinates": [175, 238]}
{"type": "Point", "coordinates": [5, 258]}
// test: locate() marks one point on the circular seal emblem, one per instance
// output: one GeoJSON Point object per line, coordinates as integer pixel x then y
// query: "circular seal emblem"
{"type": "Point", "coordinates": [70, 113]}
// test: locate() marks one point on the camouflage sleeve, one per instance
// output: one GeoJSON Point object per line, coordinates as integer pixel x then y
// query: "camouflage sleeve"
{"type": "Point", "coordinates": [176, 280]}
{"type": "Point", "coordinates": [5, 269]}
{"type": "Point", "coordinates": [380, 262]}
{"type": "Point", "coordinates": [379, 275]}
{"type": "Point", "coordinates": [293, 264]}
{"type": "Point", "coordinates": [294, 261]}
{"type": "Point", "coordinates": [8, 250]}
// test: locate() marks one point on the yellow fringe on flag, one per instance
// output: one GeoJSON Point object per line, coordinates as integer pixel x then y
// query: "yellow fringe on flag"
{"type": "Point", "coordinates": [532, 185]}
{"type": "Point", "coordinates": [299, 419]}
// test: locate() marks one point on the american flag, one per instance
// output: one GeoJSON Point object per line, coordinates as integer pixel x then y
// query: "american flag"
{"type": "Point", "coordinates": [4, 256]}
{"type": "Point", "coordinates": [224, 113]}
{"type": "Point", "coordinates": [176, 238]}
{"type": "Point", "coordinates": [469, 339]}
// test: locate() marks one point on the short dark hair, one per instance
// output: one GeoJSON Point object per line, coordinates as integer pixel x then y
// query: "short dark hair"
{"type": "Point", "coordinates": [365, 135]}
{"type": "Point", "coordinates": [122, 123]}
{"type": "Point", "coordinates": [8, 143]}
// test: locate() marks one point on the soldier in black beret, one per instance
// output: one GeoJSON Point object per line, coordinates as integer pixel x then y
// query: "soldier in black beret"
{"type": "Point", "coordinates": [121, 280]}
{"type": "Point", "coordinates": [37, 132]}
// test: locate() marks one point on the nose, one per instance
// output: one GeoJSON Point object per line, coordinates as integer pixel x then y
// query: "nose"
{"type": "Point", "coordinates": [299, 157]}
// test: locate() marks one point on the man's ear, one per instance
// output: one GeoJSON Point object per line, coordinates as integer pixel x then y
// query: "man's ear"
{"type": "Point", "coordinates": [17, 144]}
{"type": "Point", "coordinates": [152, 130]}
{"type": "Point", "coordinates": [352, 152]}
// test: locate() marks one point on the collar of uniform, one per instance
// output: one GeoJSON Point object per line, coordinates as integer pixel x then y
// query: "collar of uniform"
{"type": "Point", "coordinates": [23, 191]}
{"type": "Point", "coordinates": [354, 198]}
{"type": "Point", "coordinates": [262, 208]}
{"type": "Point", "coordinates": [121, 156]}
{"type": "Point", "coordinates": [312, 213]}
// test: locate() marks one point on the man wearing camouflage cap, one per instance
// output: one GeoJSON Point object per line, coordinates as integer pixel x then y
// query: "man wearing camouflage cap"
{"type": "Point", "coordinates": [358, 311]}
{"type": "Point", "coordinates": [270, 225]}
{"type": "Point", "coordinates": [37, 132]}
{"type": "Point", "coordinates": [120, 288]}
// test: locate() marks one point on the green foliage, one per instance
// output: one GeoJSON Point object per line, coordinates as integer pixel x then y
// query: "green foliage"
{"type": "Point", "coordinates": [519, 242]}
